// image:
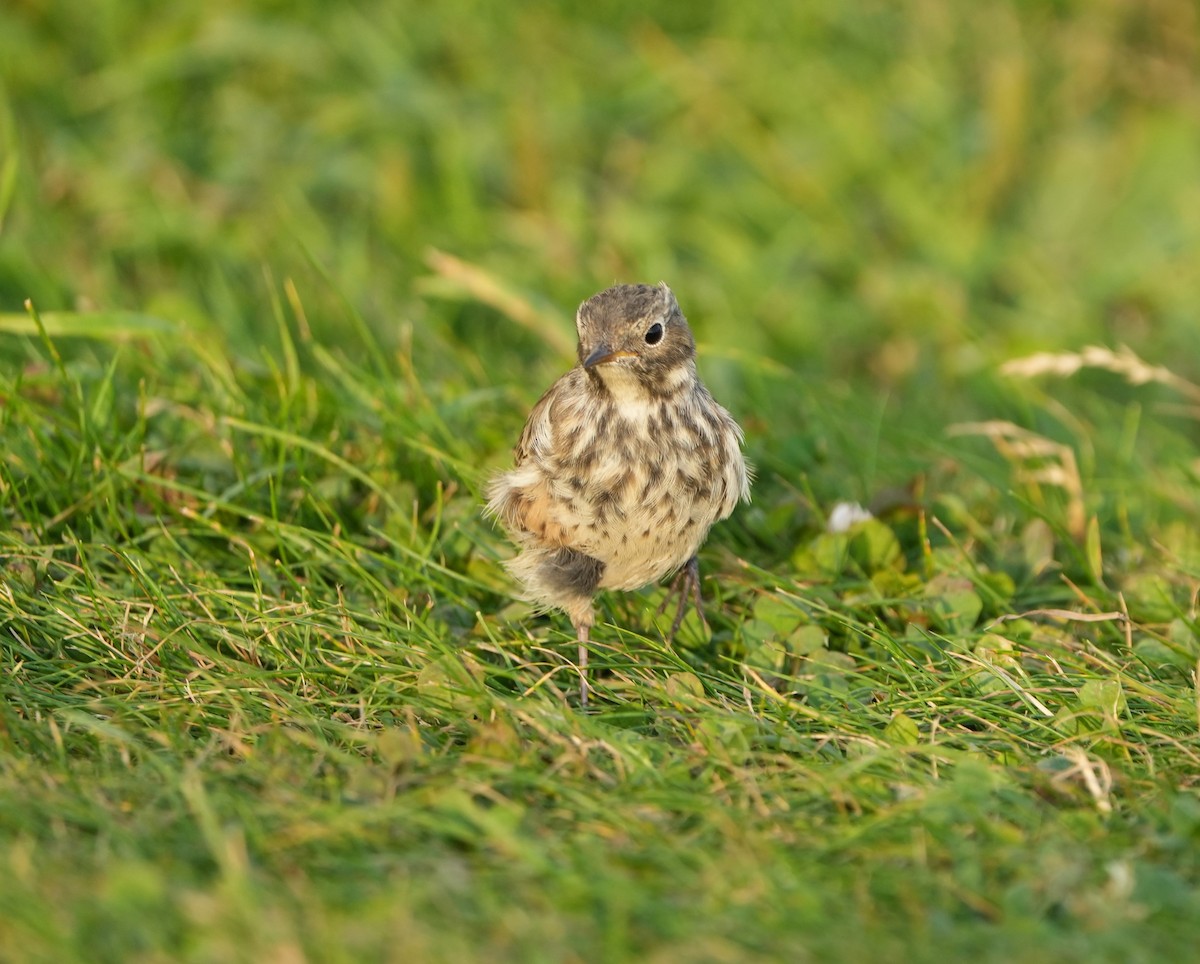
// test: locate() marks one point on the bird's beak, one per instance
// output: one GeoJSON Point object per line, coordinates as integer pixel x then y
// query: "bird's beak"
{"type": "Point", "coordinates": [603, 355]}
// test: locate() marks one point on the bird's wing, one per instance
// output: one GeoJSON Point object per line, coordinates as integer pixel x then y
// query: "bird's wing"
{"type": "Point", "coordinates": [522, 498]}
{"type": "Point", "coordinates": [537, 438]}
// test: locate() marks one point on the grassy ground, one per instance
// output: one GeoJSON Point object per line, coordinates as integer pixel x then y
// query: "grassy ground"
{"type": "Point", "coordinates": [297, 272]}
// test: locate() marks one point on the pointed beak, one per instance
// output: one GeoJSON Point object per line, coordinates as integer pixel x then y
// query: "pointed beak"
{"type": "Point", "coordinates": [603, 355]}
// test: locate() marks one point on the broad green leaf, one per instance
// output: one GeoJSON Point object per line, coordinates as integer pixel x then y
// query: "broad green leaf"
{"type": "Point", "coordinates": [754, 632]}
{"type": "Point", "coordinates": [779, 613]}
{"type": "Point", "coordinates": [874, 546]}
{"type": "Point", "coordinates": [826, 555]}
{"type": "Point", "coordinates": [1105, 695]}
{"type": "Point", "coordinates": [767, 656]}
{"type": "Point", "coordinates": [902, 730]}
{"type": "Point", "coordinates": [684, 684]}
{"type": "Point", "coordinates": [954, 604]}
{"type": "Point", "coordinates": [807, 640]}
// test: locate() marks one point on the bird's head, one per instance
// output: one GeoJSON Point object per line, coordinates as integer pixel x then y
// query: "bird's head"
{"type": "Point", "coordinates": [636, 332]}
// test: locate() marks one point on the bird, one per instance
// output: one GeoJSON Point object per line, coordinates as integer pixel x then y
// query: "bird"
{"type": "Point", "coordinates": [623, 466]}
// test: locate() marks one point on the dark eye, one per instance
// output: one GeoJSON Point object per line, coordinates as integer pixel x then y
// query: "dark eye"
{"type": "Point", "coordinates": [654, 334]}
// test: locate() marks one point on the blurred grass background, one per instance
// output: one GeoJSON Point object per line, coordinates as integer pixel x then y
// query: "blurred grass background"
{"type": "Point", "coordinates": [302, 270]}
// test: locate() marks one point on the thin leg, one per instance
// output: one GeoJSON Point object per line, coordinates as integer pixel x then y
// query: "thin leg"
{"type": "Point", "coordinates": [687, 585]}
{"type": "Point", "coordinates": [583, 660]}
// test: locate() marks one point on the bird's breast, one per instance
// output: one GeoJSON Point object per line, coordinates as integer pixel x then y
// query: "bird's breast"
{"type": "Point", "coordinates": [647, 477]}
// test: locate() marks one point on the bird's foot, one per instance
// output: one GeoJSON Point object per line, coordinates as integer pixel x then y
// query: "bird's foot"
{"type": "Point", "coordinates": [686, 585]}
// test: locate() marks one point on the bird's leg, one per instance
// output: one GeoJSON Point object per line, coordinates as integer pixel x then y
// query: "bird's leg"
{"type": "Point", "coordinates": [686, 584]}
{"type": "Point", "coordinates": [582, 618]}
{"type": "Point", "coordinates": [582, 631]}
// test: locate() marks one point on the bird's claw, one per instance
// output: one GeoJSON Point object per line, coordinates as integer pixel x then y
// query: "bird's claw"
{"type": "Point", "coordinates": [686, 584]}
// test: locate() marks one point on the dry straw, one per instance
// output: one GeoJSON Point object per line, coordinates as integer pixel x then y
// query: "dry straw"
{"type": "Point", "coordinates": [1122, 362]}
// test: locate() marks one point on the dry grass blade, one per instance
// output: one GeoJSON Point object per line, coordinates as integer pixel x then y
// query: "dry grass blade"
{"type": "Point", "coordinates": [1122, 362]}
{"type": "Point", "coordinates": [480, 285]}
{"type": "Point", "coordinates": [1094, 774]}
{"type": "Point", "coordinates": [1036, 461]}
{"type": "Point", "coordinates": [1066, 614]}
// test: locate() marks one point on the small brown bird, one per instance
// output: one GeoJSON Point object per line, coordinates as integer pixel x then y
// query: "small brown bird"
{"type": "Point", "coordinates": [623, 466]}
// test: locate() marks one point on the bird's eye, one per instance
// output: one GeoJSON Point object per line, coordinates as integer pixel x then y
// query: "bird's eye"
{"type": "Point", "coordinates": [654, 334]}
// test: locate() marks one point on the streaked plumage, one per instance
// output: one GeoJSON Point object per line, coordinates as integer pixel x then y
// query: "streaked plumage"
{"type": "Point", "coordinates": [624, 464]}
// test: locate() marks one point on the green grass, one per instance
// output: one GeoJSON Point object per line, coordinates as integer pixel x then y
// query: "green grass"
{"type": "Point", "coordinates": [296, 274]}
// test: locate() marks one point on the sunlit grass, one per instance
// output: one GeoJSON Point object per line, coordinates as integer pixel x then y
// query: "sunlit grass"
{"type": "Point", "coordinates": [295, 276]}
